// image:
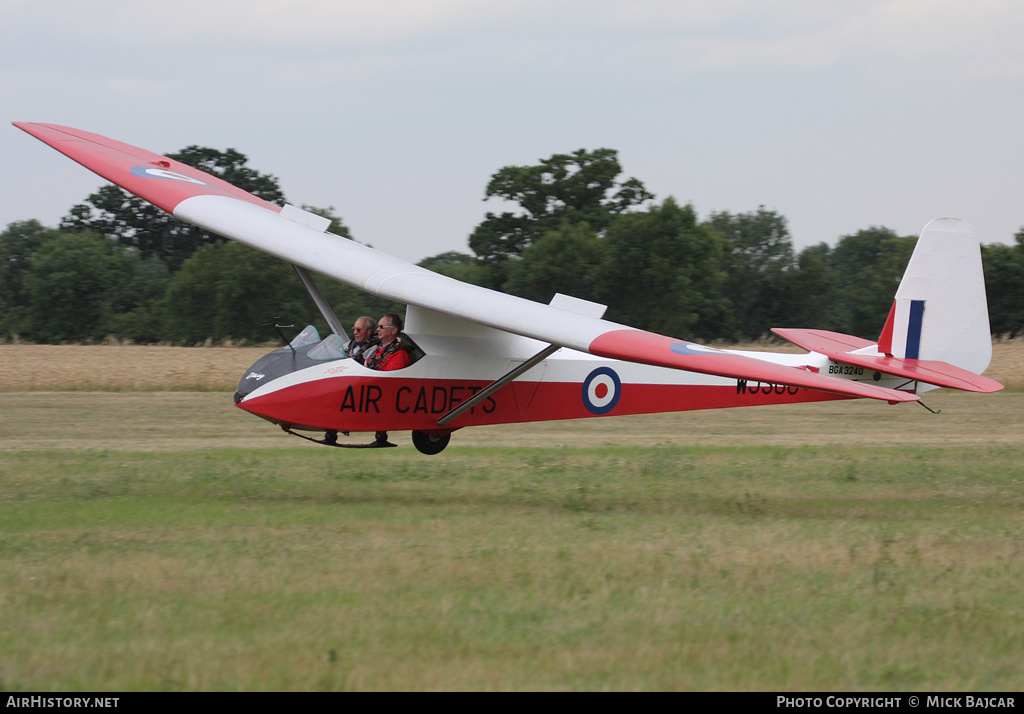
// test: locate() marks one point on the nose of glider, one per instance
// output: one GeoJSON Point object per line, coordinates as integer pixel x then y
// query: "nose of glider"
{"type": "Point", "coordinates": [264, 370]}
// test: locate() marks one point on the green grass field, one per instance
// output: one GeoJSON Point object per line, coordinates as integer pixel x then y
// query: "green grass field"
{"type": "Point", "coordinates": [154, 541]}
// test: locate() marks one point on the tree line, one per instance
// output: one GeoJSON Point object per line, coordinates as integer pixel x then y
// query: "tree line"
{"type": "Point", "coordinates": [118, 267]}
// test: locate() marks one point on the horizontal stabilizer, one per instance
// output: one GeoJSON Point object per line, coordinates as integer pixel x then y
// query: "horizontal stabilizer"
{"type": "Point", "coordinates": [840, 348]}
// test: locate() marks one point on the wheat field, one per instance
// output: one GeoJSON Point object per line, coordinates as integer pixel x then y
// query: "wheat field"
{"type": "Point", "coordinates": [25, 367]}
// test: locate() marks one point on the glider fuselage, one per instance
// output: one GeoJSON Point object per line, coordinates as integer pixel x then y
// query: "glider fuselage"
{"type": "Point", "coordinates": [343, 395]}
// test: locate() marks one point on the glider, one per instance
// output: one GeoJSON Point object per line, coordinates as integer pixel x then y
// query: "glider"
{"type": "Point", "coordinates": [484, 357]}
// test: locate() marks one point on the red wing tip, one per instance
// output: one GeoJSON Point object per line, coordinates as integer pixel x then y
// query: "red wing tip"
{"type": "Point", "coordinates": [35, 128]}
{"type": "Point", "coordinates": [910, 397]}
{"type": "Point", "coordinates": [991, 388]}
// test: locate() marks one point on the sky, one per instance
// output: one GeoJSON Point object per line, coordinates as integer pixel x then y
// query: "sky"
{"type": "Point", "coordinates": [838, 114]}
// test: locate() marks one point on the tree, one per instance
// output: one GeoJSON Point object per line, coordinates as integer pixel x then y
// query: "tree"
{"type": "Point", "coordinates": [230, 291]}
{"type": "Point", "coordinates": [568, 260]}
{"type": "Point", "coordinates": [71, 281]}
{"type": "Point", "coordinates": [18, 243]}
{"type": "Point", "coordinates": [868, 265]}
{"type": "Point", "coordinates": [813, 291]}
{"type": "Point", "coordinates": [115, 213]}
{"type": "Point", "coordinates": [137, 301]}
{"type": "Point", "coordinates": [227, 291]}
{"type": "Point", "coordinates": [760, 263]}
{"type": "Point", "coordinates": [580, 187]}
{"type": "Point", "coordinates": [460, 266]}
{"type": "Point", "coordinates": [664, 272]}
{"type": "Point", "coordinates": [1004, 283]}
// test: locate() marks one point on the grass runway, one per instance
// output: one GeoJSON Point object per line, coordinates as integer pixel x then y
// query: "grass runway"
{"type": "Point", "coordinates": [168, 541]}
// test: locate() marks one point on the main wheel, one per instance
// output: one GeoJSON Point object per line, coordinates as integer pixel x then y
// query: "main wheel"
{"type": "Point", "coordinates": [430, 445]}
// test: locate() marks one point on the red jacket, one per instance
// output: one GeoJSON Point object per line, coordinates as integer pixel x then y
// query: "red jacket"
{"type": "Point", "coordinates": [396, 358]}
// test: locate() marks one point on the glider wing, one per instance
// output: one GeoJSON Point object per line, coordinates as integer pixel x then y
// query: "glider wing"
{"type": "Point", "coordinates": [204, 200]}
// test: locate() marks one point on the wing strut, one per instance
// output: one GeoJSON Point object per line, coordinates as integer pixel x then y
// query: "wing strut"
{"type": "Point", "coordinates": [321, 303]}
{"type": "Point", "coordinates": [498, 384]}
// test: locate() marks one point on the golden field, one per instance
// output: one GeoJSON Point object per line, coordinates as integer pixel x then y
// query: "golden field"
{"type": "Point", "coordinates": [159, 368]}
{"type": "Point", "coordinates": [167, 398]}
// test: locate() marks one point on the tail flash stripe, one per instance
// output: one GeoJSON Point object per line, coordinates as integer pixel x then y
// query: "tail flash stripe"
{"type": "Point", "coordinates": [885, 339]}
{"type": "Point", "coordinates": [914, 329]}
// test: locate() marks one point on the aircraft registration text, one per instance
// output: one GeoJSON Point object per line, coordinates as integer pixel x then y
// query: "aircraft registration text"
{"type": "Point", "coordinates": [745, 387]}
{"type": "Point", "coordinates": [846, 370]}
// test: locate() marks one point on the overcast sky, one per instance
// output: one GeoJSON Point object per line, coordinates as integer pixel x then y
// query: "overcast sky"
{"type": "Point", "coordinates": [840, 115]}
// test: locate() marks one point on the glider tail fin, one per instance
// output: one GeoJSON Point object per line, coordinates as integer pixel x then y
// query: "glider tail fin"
{"type": "Point", "coordinates": [938, 332]}
{"type": "Point", "coordinates": [940, 311]}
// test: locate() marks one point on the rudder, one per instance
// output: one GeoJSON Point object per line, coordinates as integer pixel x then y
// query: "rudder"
{"type": "Point", "coordinates": [941, 310]}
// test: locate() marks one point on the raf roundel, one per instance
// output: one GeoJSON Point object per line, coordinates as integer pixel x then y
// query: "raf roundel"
{"type": "Point", "coordinates": [689, 348]}
{"type": "Point", "coordinates": [150, 172]}
{"type": "Point", "coordinates": [601, 390]}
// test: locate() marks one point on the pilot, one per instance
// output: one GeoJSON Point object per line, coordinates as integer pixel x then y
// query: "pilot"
{"type": "Point", "coordinates": [364, 338]}
{"type": "Point", "coordinates": [392, 352]}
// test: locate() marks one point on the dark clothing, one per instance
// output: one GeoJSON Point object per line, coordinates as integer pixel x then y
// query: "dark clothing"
{"type": "Point", "coordinates": [394, 356]}
{"type": "Point", "coordinates": [359, 350]}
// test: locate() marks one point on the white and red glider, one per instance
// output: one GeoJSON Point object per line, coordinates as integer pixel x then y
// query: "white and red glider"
{"type": "Point", "coordinates": [489, 358]}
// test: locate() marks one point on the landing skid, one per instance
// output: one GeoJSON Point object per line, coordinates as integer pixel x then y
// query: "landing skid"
{"type": "Point", "coordinates": [331, 439]}
{"type": "Point", "coordinates": [424, 443]}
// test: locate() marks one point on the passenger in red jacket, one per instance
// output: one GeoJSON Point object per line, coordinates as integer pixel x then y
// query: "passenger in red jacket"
{"type": "Point", "coordinates": [390, 354]}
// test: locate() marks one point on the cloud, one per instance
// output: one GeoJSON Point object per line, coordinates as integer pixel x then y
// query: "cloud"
{"type": "Point", "coordinates": [161, 37]}
{"type": "Point", "coordinates": [971, 40]}
{"type": "Point", "coordinates": [426, 99]}
{"type": "Point", "coordinates": [263, 23]}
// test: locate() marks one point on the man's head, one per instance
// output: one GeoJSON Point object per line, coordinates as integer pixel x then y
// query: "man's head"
{"type": "Point", "coordinates": [389, 327]}
{"type": "Point", "coordinates": [363, 329]}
